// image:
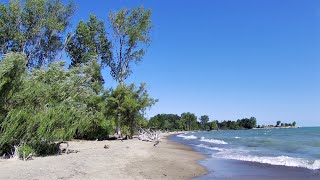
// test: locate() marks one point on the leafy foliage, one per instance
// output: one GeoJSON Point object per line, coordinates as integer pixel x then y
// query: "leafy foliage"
{"type": "Point", "coordinates": [52, 105]}
{"type": "Point", "coordinates": [166, 122]}
{"type": "Point", "coordinates": [12, 70]}
{"type": "Point", "coordinates": [24, 151]}
{"type": "Point", "coordinates": [131, 31]}
{"type": "Point", "coordinates": [204, 121]}
{"type": "Point", "coordinates": [129, 103]}
{"type": "Point", "coordinates": [41, 101]}
{"type": "Point", "coordinates": [188, 121]}
{"type": "Point", "coordinates": [89, 42]}
{"type": "Point", "coordinates": [35, 28]}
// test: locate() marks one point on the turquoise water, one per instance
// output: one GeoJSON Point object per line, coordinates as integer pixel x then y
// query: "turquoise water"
{"type": "Point", "coordinates": [295, 147]}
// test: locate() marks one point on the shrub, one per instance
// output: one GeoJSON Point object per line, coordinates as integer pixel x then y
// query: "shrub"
{"type": "Point", "coordinates": [24, 151]}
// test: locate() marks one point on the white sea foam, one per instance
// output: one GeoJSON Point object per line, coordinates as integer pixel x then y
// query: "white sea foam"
{"type": "Point", "coordinates": [214, 141]}
{"type": "Point", "coordinates": [278, 160]}
{"type": "Point", "coordinates": [184, 136]}
{"type": "Point", "coordinates": [237, 137]}
{"type": "Point", "coordinates": [211, 148]}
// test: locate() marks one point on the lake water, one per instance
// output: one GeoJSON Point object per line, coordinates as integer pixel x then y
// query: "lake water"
{"type": "Point", "coordinates": [297, 148]}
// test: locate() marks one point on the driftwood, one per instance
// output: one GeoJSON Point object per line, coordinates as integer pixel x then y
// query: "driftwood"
{"type": "Point", "coordinates": [149, 135]}
{"type": "Point", "coordinates": [118, 136]}
{"type": "Point", "coordinates": [15, 154]}
{"type": "Point", "coordinates": [63, 150]}
{"type": "Point", "coordinates": [66, 150]}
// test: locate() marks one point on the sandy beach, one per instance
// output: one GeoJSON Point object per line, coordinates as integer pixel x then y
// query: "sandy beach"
{"type": "Point", "coordinates": [130, 159]}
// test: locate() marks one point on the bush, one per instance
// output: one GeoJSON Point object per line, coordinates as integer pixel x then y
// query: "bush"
{"type": "Point", "coordinates": [43, 107]}
{"type": "Point", "coordinates": [44, 148]}
{"type": "Point", "coordinates": [24, 151]}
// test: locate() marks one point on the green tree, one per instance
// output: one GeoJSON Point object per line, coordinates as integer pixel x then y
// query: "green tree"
{"type": "Point", "coordinates": [131, 37]}
{"type": "Point", "coordinates": [12, 68]}
{"type": "Point", "coordinates": [169, 122]}
{"type": "Point", "coordinates": [204, 120]}
{"type": "Point", "coordinates": [214, 125]}
{"type": "Point", "coordinates": [278, 123]}
{"type": "Point", "coordinates": [35, 28]}
{"type": "Point", "coordinates": [190, 120]}
{"type": "Point", "coordinates": [89, 42]}
{"type": "Point", "coordinates": [294, 124]}
{"type": "Point", "coordinates": [48, 106]}
{"type": "Point", "coordinates": [130, 102]}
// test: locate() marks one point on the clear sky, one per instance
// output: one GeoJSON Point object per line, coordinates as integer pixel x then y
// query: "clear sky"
{"type": "Point", "coordinates": [229, 59]}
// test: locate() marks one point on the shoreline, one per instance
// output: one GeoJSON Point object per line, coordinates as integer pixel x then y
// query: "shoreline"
{"type": "Point", "coordinates": [131, 159]}
{"type": "Point", "coordinates": [232, 169]}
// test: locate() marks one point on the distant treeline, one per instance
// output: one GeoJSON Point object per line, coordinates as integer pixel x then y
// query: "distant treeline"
{"type": "Point", "coordinates": [189, 121]}
{"type": "Point", "coordinates": [278, 124]}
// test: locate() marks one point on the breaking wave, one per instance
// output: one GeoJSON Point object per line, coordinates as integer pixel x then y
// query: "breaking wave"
{"type": "Point", "coordinates": [187, 136]}
{"type": "Point", "coordinates": [211, 148]}
{"type": "Point", "coordinates": [214, 141]}
{"type": "Point", "coordinates": [278, 160]}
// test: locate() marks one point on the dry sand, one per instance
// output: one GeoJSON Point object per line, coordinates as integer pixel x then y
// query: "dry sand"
{"type": "Point", "coordinates": [131, 159]}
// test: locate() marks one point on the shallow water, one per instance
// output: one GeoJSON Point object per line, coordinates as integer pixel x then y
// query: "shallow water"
{"type": "Point", "coordinates": [295, 151]}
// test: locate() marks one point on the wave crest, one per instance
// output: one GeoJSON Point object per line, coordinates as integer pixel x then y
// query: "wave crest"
{"type": "Point", "coordinates": [211, 148]}
{"type": "Point", "coordinates": [278, 160]}
{"type": "Point", "coordinates": [214, 141]}
{"type": "Point", "coordinates": [187, 137]}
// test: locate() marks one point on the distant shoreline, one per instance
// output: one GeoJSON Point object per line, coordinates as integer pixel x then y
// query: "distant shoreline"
{"type": "Point", "coordinates": [280, 127]}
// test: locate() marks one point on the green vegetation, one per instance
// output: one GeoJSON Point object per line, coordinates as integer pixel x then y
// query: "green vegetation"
{"type": "Point", "coordinates": [188, 121]}
{"type": "Point", "coordinates": [42, 102]}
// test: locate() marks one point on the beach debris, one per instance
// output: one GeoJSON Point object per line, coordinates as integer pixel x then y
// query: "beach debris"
{"type": "Point", "coordinates": [66, 149]}
{"type": "Point", "coordinates": [29, 157]}
{"type": "Point", "coordinates": [106, 146]}
{"type": "Point", "coordinates": [14, 154]}
{"type": "Point", "coordinates": [150, 136]}
{"type": "Point", "coordinates": [62, 149]}
{"type": "Point", "coordinates": [156, 143]}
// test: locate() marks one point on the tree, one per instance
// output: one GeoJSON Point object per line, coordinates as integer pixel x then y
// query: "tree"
{"type": "Point", "coordinates": [294, 124]}
{"type": "Point", "coordinates": [131, 35]}
{"type": "Point", "coordinates": [130, 102]}
{"type": "Point", "coordinates": [214, 125]}
{"type": "Point", "coordinates": [12, 68]}
{"type": "Point", "coordinates": [252, 122]}
{"type": "Point", "coordinates": [169, 122]}
{"type": "Point", "coordinates": [45, 106]}
{"type": "Point", "coordinates": [278, 123]}
{"type": "Point", "coordinates": [89, 42]}
{"type": "Point", "coordinates": [41, 106]}
{"type": "Point", "coordinates": [204, 120]}
{"type": "Point", "coordinates": [35, 28]}
{"type": "Point", "coordinates": [190, 120]}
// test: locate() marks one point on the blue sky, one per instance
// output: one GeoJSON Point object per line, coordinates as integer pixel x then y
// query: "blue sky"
{"type": "Point", "coordinates": [229, 59]}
